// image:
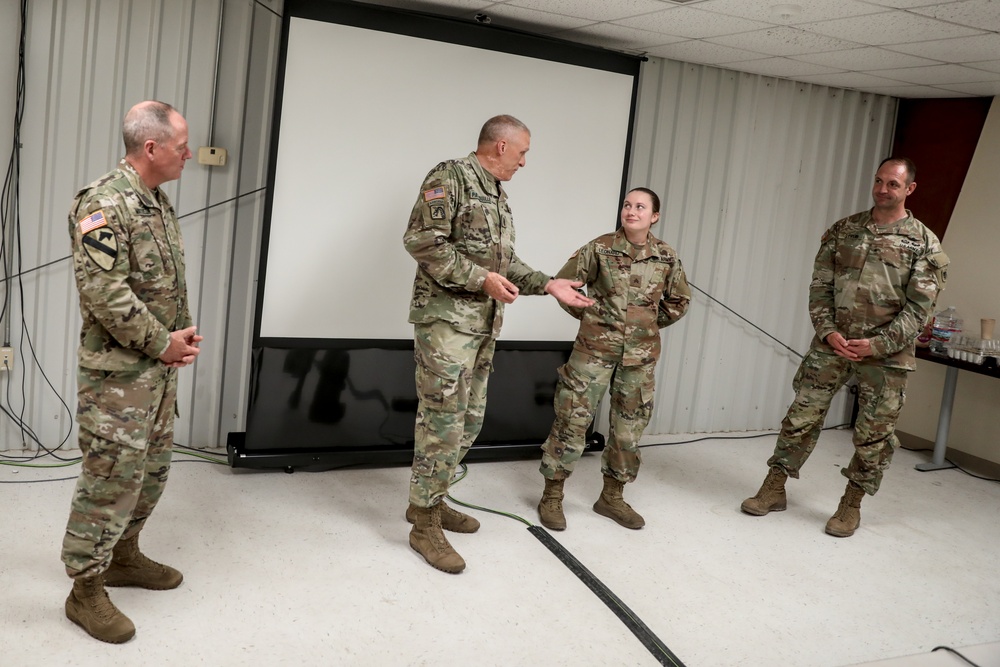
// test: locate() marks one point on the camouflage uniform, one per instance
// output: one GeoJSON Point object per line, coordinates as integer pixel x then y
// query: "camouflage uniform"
{"type": "Point", "coordinates": [460, 230]}
{"type": "Point", "coordinates": [870, 281]}
{"type": "Point", "coordinates": [637, 291]}
{"type": "Point", "coordinates": [128, 260]}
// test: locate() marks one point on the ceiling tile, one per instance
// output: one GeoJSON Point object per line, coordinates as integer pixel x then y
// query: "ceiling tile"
{"type": "Point", "coordinates": [782, 41]}
{"type": "Point", "coordinates": [696, 51]}
{"type": "Point", "coordinates": [938, 74]}
{"type": "Point", "coordinates": [785, 68]}
{"type": "Point", "coordinates": [811, 10]}
{"type": "Point", "coordinates": [857, 80]}
{"type": "Point", "coordinates": [906, 4]}
{"type": "Point", "coordinates": [613, 36]}
{"type": "Point", "coordinates": [965, 50]}
{"type": "Point", "coordinates": [532, 20]}
{"type": "Point", "coordinates": [982, 14]}
{"type": "Point", "coordinates": [595, 10]}
{"type": "Point", "coordinates": [692, 23]}
{"type": "Point", "coordinates": [914, 92]}
{"type": "Point", "coordinates": [864, 58]}
{"type": "Point", "coordinates": [976, 89]}
{"type": "Point", "coordinates": [892, 27]}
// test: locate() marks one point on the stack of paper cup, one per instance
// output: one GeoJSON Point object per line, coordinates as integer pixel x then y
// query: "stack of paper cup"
{"type": "Point", "coordinates": [987, 329]}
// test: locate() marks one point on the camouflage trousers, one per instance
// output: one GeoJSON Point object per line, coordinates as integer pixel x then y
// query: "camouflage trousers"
{"type": "Point", "coordinates": [582, 382]}
{"type": "Point", "coordinates": [126, 422]}
{"type": "Point", "coordinates": [452, 372]}
{"type": "Point", "coordinates": [881, 392]}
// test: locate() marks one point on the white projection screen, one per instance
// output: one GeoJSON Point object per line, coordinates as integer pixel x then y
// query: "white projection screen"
{"type": "Point", "coordinates": [365, 113]}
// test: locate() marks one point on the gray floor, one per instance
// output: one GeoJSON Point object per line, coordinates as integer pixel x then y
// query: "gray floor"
{"type": "Point", "coordinates": [315, 569]}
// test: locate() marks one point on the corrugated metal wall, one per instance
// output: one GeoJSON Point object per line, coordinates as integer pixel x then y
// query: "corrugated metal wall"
{"type": "Point", "coordinates": [87, 62]}
{"type": "Point", "coordinates": [751, 170]}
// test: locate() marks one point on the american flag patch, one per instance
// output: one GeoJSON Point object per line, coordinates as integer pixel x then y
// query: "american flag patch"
{"type": "Point", "coordinates": [92, 222]}
{"type": "Point", "coordinates": [436, 193]}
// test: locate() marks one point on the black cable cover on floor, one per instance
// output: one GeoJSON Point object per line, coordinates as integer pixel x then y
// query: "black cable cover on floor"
{"type": "Point", "coordinates": [659, 650]}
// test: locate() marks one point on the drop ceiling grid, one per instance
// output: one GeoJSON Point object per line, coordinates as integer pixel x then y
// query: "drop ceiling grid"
{"type": "Point", "coordinates": [917, 48]}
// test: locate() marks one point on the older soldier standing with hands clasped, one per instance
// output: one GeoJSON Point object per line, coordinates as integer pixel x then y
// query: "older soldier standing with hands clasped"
{"type": "Point", "coordinates": [128, 261]}
{"type": "Point", "coordinates": [875, 280]}
{"type": "Point", "coordinates": [461, 233]}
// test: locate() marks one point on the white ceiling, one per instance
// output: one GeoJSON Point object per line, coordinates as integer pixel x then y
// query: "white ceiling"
{"type": "Point", "coordinates": [902, 48]}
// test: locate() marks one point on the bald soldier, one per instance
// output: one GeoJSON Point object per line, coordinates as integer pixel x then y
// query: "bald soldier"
{"type": "Point", "coordinates": [461, 233]}
{"type": "Point", "coordinates": [875, 280]}
{"type": "Point", "coordinates": [128, 260]}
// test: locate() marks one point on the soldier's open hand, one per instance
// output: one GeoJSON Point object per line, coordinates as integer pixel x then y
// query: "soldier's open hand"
{"type": "Point", "coordinates": [567, 292]}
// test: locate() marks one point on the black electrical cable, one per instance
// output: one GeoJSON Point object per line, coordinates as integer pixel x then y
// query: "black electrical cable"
{"type": "Point", "coordinates": [956, 466]}
{"type": "Point", "coordinates": [712, 298]}
{"type": "Point", "coordinates": [180, 217]}
{"type": "Point", "coordinates": [729, 437]}
{"type": "Point", "coordinates": [951, 650]}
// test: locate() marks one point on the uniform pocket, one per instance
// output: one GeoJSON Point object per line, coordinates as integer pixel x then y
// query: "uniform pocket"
{"type": "Point", "coordinates": [436, 390]}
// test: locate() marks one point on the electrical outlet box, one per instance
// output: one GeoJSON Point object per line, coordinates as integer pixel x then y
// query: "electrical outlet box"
{"type": "Point", "coordinates": [6, 358]}
{"type": "Point", "coordinates": [212, 155]}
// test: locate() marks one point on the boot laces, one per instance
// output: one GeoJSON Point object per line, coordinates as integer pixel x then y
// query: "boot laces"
{"type": "Point", "coordinates": [102, 606]}
{"type": "Point", "coordinates": [435, 533]}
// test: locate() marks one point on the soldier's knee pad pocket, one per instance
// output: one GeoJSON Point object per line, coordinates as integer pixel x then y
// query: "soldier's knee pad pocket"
{"type": "Point", "coordinates": [438, 392]}
{"type": "Point", "coordinates": [574, 380]}
{"type": "Point", "coordinates": [106, 459]}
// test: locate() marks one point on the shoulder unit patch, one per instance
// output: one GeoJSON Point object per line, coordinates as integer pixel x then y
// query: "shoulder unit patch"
{"type": "Point", "coordinates": [101, 245]}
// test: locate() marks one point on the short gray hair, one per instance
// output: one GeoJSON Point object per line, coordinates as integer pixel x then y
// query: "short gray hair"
{"type": "Point", "coordinates": [500, 127]}
{"type": "Point", "coordinates": [145, 121]}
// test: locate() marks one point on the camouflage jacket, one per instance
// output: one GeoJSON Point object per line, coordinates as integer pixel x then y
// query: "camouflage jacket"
{"type": "Point", "coordinates": [460, 230]}
{"type": "Point", "coordinates": [878, 282]}
{"type": "Point", "coordinates": [637, 292]}
{"type": "Point", "coordinates": [128, 260]}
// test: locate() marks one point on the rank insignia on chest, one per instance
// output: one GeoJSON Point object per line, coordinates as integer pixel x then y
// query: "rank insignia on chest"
{"type": "Point", "coordinates": [92, 222]}
{"type": "Point", "coordinates": [434, 193]}
{"type": "Point", "coordinates": [101, 245]}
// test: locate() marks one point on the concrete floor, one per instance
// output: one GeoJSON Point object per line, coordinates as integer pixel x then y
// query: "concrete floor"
{"type": "Point", "coordinates": [315, 569]}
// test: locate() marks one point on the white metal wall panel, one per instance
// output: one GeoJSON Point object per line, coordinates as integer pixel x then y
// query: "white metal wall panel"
{"type": "Point", "coordinates": [88, 61]}
{"type": "Point", "coordinates": [751, 170]}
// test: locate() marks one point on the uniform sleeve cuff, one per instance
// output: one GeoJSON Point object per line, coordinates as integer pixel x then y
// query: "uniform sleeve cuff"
{"type": "Point", "coordinates": [477, 279]}
{"type": "Point", "coordinates": [159, 344]}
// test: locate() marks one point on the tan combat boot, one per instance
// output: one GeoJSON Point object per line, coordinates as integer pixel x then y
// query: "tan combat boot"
{"type": "Point", "coordinates": [771, 497]}
{"type": "Point", "coordinates": [847, 518]}
{"type": "Point", "coordinates": [129, 567]}
{"type": "Point", "coordinates": [451, 519]}
{"type": "Point", "coordinates": [612, 505]}
{"type": "Point", "coordinates": [427, 540]}
{"type": "Point", "coordinates": [550, 509]}
{"type": "Point", "coordinates": [89, 606]}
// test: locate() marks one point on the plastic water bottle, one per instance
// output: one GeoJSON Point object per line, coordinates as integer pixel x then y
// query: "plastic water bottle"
{"type": "Point", "coordinates": [946, 324]}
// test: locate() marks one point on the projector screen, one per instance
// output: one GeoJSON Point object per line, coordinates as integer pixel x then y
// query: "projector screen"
{"type": "Point", "coordinates": [364, 114]}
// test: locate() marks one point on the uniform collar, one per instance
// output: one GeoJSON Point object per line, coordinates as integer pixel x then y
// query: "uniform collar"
{"type": "Point", "coordinates": [154, 198]}
{"type": "Point", "coordinates": [487, 181]}
{"type": "Point", "coordinates": [624, 246]}
{"type": "Point", "coordinates": [897, 227]}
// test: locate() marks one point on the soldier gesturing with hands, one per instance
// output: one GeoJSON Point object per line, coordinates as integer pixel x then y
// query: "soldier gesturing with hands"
{"type": "Point", "coordinates": [461, 233]}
